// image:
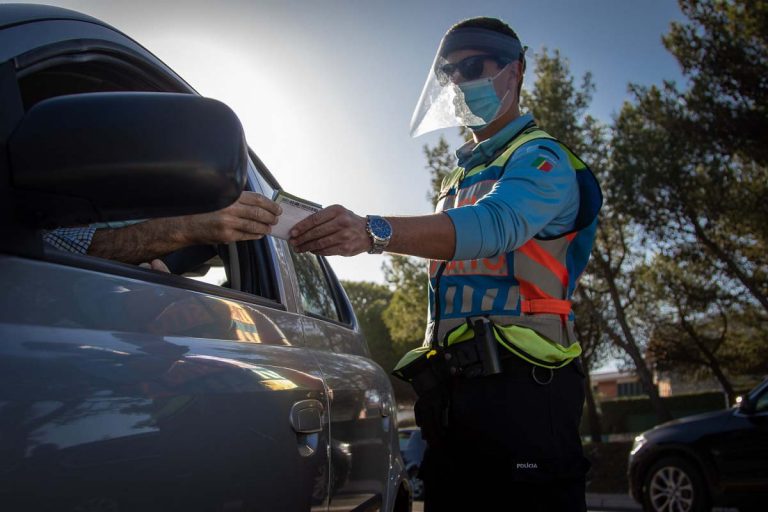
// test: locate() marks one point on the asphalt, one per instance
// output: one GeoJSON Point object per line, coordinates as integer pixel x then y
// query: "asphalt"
{"type": "Point", "coordinates": [595, 502]}
{"type": "Point", "coordinates": [611, 502]}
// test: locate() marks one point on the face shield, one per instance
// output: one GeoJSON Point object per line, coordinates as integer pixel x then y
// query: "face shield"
{"type": "Point", "coordinates": [442, 103]}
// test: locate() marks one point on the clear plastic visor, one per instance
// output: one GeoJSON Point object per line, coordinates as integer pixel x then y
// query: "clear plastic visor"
{"type": "Point", "coordinates": [442, 104]}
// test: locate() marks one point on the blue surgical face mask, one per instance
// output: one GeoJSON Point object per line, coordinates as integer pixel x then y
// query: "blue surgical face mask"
{"type": "Point", "coordinates": [481, 99]}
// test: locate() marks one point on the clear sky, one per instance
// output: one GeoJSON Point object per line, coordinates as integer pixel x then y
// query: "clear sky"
{"type": "Point", "coordinates": [325, 89]}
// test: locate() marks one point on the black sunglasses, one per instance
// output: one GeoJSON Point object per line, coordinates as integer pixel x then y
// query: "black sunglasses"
{"type": "Point", "coordinates": [470, 68]}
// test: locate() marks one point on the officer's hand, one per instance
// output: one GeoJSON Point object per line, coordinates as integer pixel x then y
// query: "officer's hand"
{"type": "Point", "coordinates": [249, 218]}
{"type": "Point", "coordinates": [331, 231]}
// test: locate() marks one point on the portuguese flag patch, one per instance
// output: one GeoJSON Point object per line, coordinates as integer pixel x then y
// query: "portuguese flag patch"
{"type": "Point", "coordinates": [543, 164]}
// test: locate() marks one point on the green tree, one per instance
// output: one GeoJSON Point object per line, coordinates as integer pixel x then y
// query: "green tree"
{"type": "Point", "coordinates": [723, 51]}
{"type": "Point", "coordinates": [699, 328]}
{"type": "Point", "coordinates": [589, 332]}
{"type": "Point", "coordinates": [684, 194]}
{"type": "Point", "coordinates": [623, 316]}
{"type": "Point", "coordinates": [691, 323]}
{"type": "Point", "coordinates": [607, 298]}
{"type": "Point", "coordinates": [688, 172]}
{"type": "Point", "coordinates": [405, 315]}
{"type": "Point", "coordinates": [369, 301]}
{"type": "Point", "coordinates": [557, 104]}
{"type": "Point", "coordinates": [691, 167]}
{"type": "Point", "coordinates": [440, 162]}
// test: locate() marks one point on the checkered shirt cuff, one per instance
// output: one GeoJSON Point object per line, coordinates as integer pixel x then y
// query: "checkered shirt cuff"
{"type": "Point", "coordinates": [75, 240]}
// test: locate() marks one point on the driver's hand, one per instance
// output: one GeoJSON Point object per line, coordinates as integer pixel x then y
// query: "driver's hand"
{"type": "Point", "coordinates": [158, 265]}
{"type": "Point", "coordinates": [249, 218]}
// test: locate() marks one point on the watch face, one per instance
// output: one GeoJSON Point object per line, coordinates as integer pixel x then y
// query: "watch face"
{"type": "Point", "coordinates": [380, 228]}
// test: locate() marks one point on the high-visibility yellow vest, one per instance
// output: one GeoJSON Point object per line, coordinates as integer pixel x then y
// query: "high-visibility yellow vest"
{"type": "Point", "coordinates": [526, 292]}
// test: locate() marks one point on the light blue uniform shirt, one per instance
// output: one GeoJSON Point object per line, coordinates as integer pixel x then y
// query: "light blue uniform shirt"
{"type": "Point", "coordinates": [526, 201]}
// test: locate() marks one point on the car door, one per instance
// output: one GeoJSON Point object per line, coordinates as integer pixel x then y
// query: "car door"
{"type": "Point", "coordinates": [154, 396]}
{"type": "Point", "coordinates": [124, 388]}
{"type": "Point", "coordinates": [362, 433]}
{"type": "Point", "coordinates": [741, 448]}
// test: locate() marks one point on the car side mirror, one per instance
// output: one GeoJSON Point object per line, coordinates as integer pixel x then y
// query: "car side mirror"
{"type": "Point", "coordinates": [99, 157]}
{"type": "Point", "coordinates": [745, 406]}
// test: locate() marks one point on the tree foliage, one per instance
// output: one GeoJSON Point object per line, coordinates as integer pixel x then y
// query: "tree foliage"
{"type": "Point", "coordinates": [691, 327]}
{"type": "Point", "coordinates": [690, 167]}
{"type": "Point", "coordinates": [440, 162]}
{"type": "Point", "coordinates": [405, 316]}
{"type": "Point", "coordinates": [723, 51]}
{"type": "Point", "coordinates": [369, 300]}
{"type": "Point", "coordinates": [557, 103]}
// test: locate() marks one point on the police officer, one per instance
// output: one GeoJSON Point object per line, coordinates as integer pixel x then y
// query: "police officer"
{"type": "Point", "coordinates": [499, 381]}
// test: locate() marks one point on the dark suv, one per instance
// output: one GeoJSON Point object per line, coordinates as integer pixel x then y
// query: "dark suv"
{"type": "Point", "coordinates": [240, 383]}
{"type": "Point", "coordinates": [718, 458]}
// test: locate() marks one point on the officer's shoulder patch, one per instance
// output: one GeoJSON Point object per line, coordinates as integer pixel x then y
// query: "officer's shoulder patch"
{"type": "Point", "coordinates": [543, 164]}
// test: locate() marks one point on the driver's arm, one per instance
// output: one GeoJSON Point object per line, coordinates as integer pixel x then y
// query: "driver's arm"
{"type": "Point", "coordinates": [248, 218]}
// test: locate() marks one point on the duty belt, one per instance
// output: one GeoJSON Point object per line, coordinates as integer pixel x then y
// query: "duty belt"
{"type": "Point", "coordinates": [477, 357]}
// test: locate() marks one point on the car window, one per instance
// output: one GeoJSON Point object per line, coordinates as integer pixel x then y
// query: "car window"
{"type": "Point", "coordinates": [317, 297]}
{"type": "Point", "coordinates": [242, 266]}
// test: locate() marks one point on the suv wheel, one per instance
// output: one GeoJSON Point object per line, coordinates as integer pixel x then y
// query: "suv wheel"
{"type": "Point", "coordinates": [673, 484]}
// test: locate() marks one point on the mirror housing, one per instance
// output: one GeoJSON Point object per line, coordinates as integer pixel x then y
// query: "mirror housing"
{"type": "Point", "coordinates": [100, 157]}
{"type": "Point", "coordinates": [745, 406]}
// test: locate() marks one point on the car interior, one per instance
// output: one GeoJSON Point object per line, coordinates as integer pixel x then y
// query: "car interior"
{"type": "Point", "coordinates": [68, 68]}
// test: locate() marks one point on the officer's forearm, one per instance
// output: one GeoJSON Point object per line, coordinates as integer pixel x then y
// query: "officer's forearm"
{"type": "Point", "coordinates": [138, 243]}
{"type": "Point", "coordinates": [427, 236]}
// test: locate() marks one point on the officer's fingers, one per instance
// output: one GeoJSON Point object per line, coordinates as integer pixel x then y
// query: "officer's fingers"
{"type": "Point", "coordinates": [344, 243]}
{"type": "Point", "coordinates": [343, 248]}
{"type": "Point", "coordinates": [334, 250]}
{"type": "Point", "coordinates": [319, 243]}
{"type": "Point", "coordinates": [316, 219]}
{"type": "Point", "coordinates": [323, 230]}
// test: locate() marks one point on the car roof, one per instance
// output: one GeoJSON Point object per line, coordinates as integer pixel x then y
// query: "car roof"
{"type": "Point", "coordinates": [17, 14]}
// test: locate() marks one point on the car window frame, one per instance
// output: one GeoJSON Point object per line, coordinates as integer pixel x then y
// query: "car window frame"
{"type": "Point", "coordinates": [347, 317]}
{"type": "Point", "coordinates": [149, 73]}
{"type": "Point", "coordinates": [761, 392]}
{"type": "Point", "coordinates": [332, 292]}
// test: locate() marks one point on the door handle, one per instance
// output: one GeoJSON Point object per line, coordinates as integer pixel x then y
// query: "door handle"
{"type": "Point", "coordinates": [385, 406]}
{"type": "Point", "coordinates": [307, 417]}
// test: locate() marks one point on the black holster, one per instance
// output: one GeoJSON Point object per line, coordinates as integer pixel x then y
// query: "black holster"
{"type": "Point", "coordinates": [430, 377]}
{"type": "Point", "coordinates": [478, 357]}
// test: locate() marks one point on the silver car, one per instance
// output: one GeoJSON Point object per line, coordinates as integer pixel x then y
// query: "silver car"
{"type": "Point", "coordinates": [239, 382]}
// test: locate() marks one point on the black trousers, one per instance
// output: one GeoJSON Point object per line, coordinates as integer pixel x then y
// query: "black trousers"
{"type": "Point", "coordinates": [512, 443]}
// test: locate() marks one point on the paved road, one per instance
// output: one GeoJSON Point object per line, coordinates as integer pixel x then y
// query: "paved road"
{"type": "Point", "coordinates": [595, 503]}
{"type": "Point", "coordinates": [600, 503]}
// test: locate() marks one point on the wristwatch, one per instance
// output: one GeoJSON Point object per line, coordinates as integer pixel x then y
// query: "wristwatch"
{"type": "Point", "coordinates": [380, 231]}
